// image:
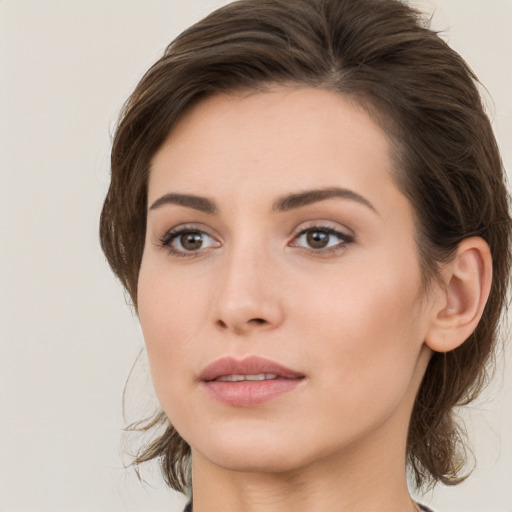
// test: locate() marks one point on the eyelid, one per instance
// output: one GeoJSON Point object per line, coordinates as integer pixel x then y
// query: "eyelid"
{"type": "Point", "coordinates": [172, 234]}
{"type": "Point", "coordinates": [345, 238]}
{"type": "Point", "coordinates": [324, 225]}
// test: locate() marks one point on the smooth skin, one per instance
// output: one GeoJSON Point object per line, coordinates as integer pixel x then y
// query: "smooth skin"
{"type": "Point", "coordinates": [330, 287]}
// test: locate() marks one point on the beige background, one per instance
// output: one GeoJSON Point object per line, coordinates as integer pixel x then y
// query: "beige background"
{"type": "Point", "coordinates": [67, 340]}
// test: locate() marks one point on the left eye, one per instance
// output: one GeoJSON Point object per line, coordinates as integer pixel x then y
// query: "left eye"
{"type": "Point", "coordinates": [187, 241]}
{"type": "Point", "coordinates": [319, 238]}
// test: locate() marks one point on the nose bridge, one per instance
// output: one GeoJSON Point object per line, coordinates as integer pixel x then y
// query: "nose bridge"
{"type": "Point", "coordinates": [247, 293]}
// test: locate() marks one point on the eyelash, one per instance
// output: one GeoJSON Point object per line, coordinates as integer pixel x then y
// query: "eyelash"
{"type": "Point", "coordinates": [344, 240]}
{"type": "Point", "coordinates": [175, 233]}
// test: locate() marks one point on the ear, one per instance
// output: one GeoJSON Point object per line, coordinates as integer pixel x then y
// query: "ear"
{"type": "Point", "coordinates": [467, 283]}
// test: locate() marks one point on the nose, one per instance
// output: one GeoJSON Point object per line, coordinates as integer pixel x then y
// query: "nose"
{"type": "Point", "coordinates": [248, 297]}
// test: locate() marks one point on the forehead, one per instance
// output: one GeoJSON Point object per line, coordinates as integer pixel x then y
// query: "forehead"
{"type": "Point", "coordinates": [272, 142]}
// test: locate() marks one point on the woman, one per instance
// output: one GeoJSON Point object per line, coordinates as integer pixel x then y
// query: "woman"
{"type": "Point", "coordinates": [308, 210]}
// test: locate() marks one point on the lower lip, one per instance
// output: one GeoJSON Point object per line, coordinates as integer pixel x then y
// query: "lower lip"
{"type": "Point", "coordinates": [249, 393]}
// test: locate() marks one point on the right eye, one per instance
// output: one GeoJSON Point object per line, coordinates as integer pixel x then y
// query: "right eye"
{"type": "Point", "coordinates": [186, 241]}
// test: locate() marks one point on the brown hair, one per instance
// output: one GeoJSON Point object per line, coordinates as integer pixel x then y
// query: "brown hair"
{"type": "Point", "coordinates": [380, 53]}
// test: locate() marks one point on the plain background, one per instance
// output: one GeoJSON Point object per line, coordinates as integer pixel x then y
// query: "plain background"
{"type": "Point", "coordinates": [67, 338]}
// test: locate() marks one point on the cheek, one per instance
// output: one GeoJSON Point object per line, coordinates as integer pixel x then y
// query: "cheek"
{"type": "Point", "coordinates": [367, 333]}
{"type": "Point", "coordinates": [168, 302]}
{"type": "Point", "coordinates": [168, 313]}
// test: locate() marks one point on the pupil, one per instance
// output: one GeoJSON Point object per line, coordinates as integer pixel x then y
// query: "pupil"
{"type": "Point", "coordinates": [191, 241]}
{"type": "Point", "coordinates": [317, 239]}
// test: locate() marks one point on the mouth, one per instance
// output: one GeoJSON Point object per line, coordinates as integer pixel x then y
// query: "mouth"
{"type": "Point", "coordinates": [248, 382]}
{"type": "Point", "coordinates": [250, 368]}
{"type": "Point", "coordinates": [240, 378]}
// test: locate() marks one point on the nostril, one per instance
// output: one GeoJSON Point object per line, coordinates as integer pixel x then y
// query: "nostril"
{"type": "Point", "coordinates": [242, 325]}
{"type": "Point", "coordinates": [222, 324]}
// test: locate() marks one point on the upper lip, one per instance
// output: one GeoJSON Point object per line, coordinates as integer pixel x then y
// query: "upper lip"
{"type": "Point", "coordinates": [252, 365]}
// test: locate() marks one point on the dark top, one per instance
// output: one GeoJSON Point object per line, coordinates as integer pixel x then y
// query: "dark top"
{"type": "Point", "coordinates": [188, 508]}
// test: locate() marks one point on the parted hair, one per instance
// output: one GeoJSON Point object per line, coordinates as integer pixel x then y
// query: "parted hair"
{"type": "Point", "coordinates": [381, 54]}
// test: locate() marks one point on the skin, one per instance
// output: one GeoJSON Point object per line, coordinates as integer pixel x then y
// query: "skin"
{"type": "Point", "coordinates": [353, 319]}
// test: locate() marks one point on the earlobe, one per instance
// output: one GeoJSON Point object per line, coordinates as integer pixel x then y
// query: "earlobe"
{"type": "Point", "coordinates": [467, 283]}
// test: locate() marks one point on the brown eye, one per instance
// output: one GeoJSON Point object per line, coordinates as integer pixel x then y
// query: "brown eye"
{"type": "Point", "coordinates": [191, 241]}
{"type": "Point", "coordinates": [322, 240]}
{"type": "Point", "coordinates": [317, 239]}
{"type": "Point", "coordinates": [188, 242]}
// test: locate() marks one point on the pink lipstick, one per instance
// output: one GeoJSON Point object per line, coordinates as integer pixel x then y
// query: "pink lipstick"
{"type": "Point", "coordinates": [248, 382]}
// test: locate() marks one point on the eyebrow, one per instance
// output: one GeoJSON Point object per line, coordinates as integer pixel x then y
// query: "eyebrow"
{"type": "Point", "coordinates": [202, 204]}
{"type": "Point", "coordinates": [283, 204]}
{"type": "Point", "coordinates": [308, 197]}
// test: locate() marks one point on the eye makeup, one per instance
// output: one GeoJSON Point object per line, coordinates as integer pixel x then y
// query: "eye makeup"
{"type": "Point", "coordinates": [322, 239]}
{"type": "Point", "coordinates": [318, 239]}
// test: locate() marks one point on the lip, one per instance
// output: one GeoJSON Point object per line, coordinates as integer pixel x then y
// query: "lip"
{"type": "Point", "coordinates": [248, 393]}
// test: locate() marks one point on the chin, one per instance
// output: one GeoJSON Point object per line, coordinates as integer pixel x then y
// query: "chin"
{"type": "Point", "coordinates": [254, 460]}
{"type": "Point", "coordinates": [250, 451]}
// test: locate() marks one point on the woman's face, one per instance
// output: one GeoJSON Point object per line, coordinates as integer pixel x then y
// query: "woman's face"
{"type": "Point", "coordinates": [280, 293]}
